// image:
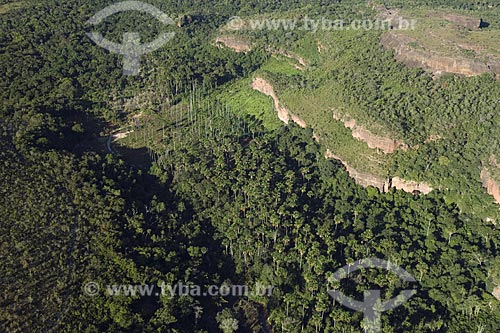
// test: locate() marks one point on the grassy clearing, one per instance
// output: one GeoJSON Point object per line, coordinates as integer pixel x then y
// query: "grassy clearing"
{"type": "Point", "coordinates": [243, 100]}
{"type": "Point", "coordinates": [282, 65]}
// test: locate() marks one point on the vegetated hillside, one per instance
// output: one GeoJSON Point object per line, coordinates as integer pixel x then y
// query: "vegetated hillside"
{"type": "Point", "coordinates": [49, 39]}
{"type": "Point", "coordinates": [449, 124]}
{"type": "Point", "coordinates": [445, 42]}
{"type": "Point", "coordinates": [90, 220]}
{"type": "Point", "coordinates": [67, 221]}
{"type": "Point", "coordinates": [457, 4]}
{"type": "Point", "coordinates": [227, 200]}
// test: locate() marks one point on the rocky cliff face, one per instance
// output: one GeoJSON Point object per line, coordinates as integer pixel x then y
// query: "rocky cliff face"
{"type": "Point", "coordinates": [434, 62]}
{"type": "Point", "coordinates": [409, 186]}
{"type": "Point", "coordinates": [284, 115]}
{"type": "Point", "coordinates": [496, 293]}
{"type": "Point", "coordinates": [492, 186]}
{"type": "Point", "coordinates": [383, 184]}
{"type": "Point", "coordinates": [298, 120]}
{"type": "Point", "coordinates": [302, 62]}
{"type": "Point", "coordinates": [234, 43]}
{"type": "Point", "coordinates": [361, 178]}
{"type": "Point", "coordinates": [267, 89]}
{"type": "Point", "coordinates": [387, 145]}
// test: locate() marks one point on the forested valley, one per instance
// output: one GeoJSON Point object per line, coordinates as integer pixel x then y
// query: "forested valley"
{"type": "Point", "coordinates": [224, 198]}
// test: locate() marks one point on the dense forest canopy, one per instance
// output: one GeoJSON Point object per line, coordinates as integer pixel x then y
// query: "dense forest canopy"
{"type": "Point", "coordinates": [224, 198]}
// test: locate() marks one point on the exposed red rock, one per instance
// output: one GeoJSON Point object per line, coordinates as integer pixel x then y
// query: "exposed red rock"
{"type": "Point", "coordinates": [387, 145]}
{"type": "Point", "coordinates": [290, 55]}
{"type": "Point", "coordinates": [491, 185]}
{"type": "Point", "coordinates": [496, 293]}
{"type": "Point", "coordinates": [267, 89]}
{"type": "Point", "coordinates": [284, 115]}
{"type": "Point", "coordinates": [361, 178]}
{"type": "Point", "coordinates": [298, 120]}
{"type": "Point", "coordinates": [434, 62]}
{"type": "Point", "coordinates": [383, 184]}
{"type": "Point", "coordinates": [235, 43]}
{"type": "Point", "coordinates": [410, 186]}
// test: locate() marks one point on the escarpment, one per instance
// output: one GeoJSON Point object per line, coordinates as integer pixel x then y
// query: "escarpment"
{"type": "Point", "coordinates": [302, 64]}
{"type": "Point", "coordinates": [364, 179]}
{"type": "Point", "coordinates": [361, 178]}
{"type": "Point", "coordinates": [383, 184]}
{"type": "Point", "coordinates": [492, 186]}
{"type": "Point", "coordinates": [387, 145]}
{"type": "Point", "coordinates": [496, 293]}
{"type": "Point", "coordinates": [267, 89]}
{"type": "Point", "coordinates": [299, 121]}
{"type": "Point", "coordinates": [433, 61]}
{"type": "Point", "coordinates": [284, 115]}
{"type": "Point", "coordinates": [237, 44]}
{"type": "Point", "coordinates": [409, 186]}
